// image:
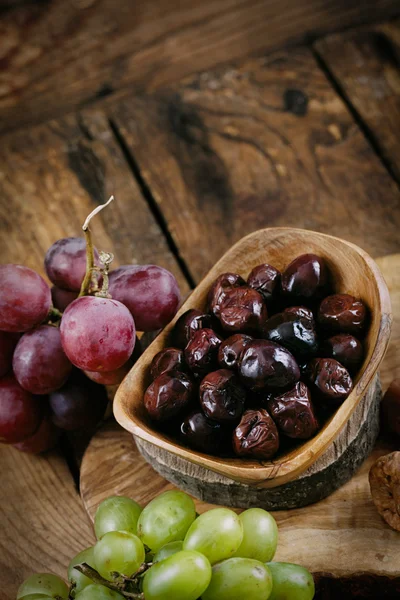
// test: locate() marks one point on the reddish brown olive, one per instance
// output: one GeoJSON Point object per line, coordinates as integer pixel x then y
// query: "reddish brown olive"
{"type": "Point", "coordinates": [243, 310]}
{"type": "Point", "coordinates": [344, 348]}
{"type": "Point", "coordinates": [201, 353]}
{"type": "Point", "coordinates": [265, 279]}
{"type": "Point", "coordinates": [231, 350]}
{"type": "Point", "coordinates": [342, 313]}
{"type": "Point", "coordinates": [222, 396]}
{"type": "Point", "coordinates": [295, 333]}
{"type": "Point", "coordinates": [218, 289]}
{"type": "Point", "coordinates": [391, 408]}
{"type": "Point", "coordinates": [300, 311]}
{"type": "Point", "coordinates": [267, 366]}
{"type": "Point", "coordinates": [202, 434]}
{"type": "Point", "coordinates": [187, 324]}
{"type": "Point", "coordinates": [168, 395]}
{"type": "Point", "coordinates": [256, 436]}
{"type": "Point", "coordinates": [305, 279]}
{"type": "Point", "coordinates": [169, 359]}
{"type": "Point", "coordinates": [329, 381]}
{"type": "Point", "coordinates": [293, 413]}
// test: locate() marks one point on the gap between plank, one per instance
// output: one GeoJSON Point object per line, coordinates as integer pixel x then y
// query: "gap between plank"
{"type": "Point", "coordinates": [152, 204]}
{"type": "Point", "coordinates": [365, 130]}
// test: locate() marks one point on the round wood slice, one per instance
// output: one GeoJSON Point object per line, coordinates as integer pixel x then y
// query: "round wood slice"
{"type": "Point", "coordinates": [336, 466]}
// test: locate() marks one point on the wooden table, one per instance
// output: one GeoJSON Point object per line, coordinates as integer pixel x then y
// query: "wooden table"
{"type": "Point", "coordinates": [306, 136]}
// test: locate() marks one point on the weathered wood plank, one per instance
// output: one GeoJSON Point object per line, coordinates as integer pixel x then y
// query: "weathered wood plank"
{"type": "Point", "coordinates": [43, 523]}
{"type": "Point", "coordinates": [53, 175]}
{"type": "Point", "coordinates": [365, 63]}
{"type": "Point", "coordinates": [269, 143]}
{"type": "Point", "coordinates": [56, 55]}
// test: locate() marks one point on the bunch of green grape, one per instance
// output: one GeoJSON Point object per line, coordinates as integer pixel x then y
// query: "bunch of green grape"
{"type": "Point", "coordinates": [167, 552]}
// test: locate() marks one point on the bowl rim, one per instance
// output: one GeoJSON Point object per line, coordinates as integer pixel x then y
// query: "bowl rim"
{"type": "Point", "coordinates": [271, 473]}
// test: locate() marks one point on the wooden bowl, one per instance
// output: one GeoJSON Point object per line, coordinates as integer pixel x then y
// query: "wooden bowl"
{"type": "Point", "coordinates": [353, 271]}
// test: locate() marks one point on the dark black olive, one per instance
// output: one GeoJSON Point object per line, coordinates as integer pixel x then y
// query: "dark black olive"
{"type": "Point", "coordinates": [222, 396]}
{"type": "Point", "coordinates": [265, 365]}
{"type": "Point", "coordinates": [342, 313]}
{"type": "Point", "coordinates": [256, 436]}
{"type": "Point", "coordinates": [168, 395]}
{"type": "Point", "coordinates": [294, 413]}
{"type": "Point", "coordinates": [295, 333]}
{"type": "Point", "coordinates": [329, 381]}
{"type": "Point", "coordinates": [344, 348]}
{"type": "Point", "coordinates": [243, 311]}
{"type": "Point", "coordinates": [218, 289]}
{"type": "Point", "coordinates": [305, 279]}
{"type": "Point", "coordinates": [265, 279]}
{"type": "Point", "coordinates": [231, 350]}
{"type": "Point", "coordinates": [169, 359]}
{"type": "Point", "coordinates": [201, 353]}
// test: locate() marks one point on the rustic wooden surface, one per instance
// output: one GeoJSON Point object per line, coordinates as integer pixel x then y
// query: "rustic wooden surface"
{"type": "Point", "coordinates": [312, 536]}
{"type": "Point", "coordinates": [366, 65]}
{"type": "Point", "coordinates": [267, 143]}
{"type": "Point", "coordinates": [57, 55]}
{"type": "Point", "coordinates": [323, 159]}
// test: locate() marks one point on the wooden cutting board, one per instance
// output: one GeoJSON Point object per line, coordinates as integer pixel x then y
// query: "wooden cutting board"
{"type": "Point", "coordinates": [342, 536]}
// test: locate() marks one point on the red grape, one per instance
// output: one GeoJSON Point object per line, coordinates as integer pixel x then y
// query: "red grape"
{"type": "Point", "coordinates": [115, 377]}
{"type": "Point", "coordinates": [151, 293]}
{"type": "Point", "coordinates": [8, 341]}
{"type": "Point", "coordinates": [65, 263]}
{"type": "Point", "coordinates": [25, 298]}
{"type": "Point", "coordinates": [62, 298]}
{"type": "Point", "coordinates": [97, 334]}
{"type": "Point", "coordinates": [20, 412]}
{"type": "Point", "coordinates": [78, 404]}
{"type": "Point", "coordinates": [40, 364]}
{"type": "Point", "coordinates": [44, 438]}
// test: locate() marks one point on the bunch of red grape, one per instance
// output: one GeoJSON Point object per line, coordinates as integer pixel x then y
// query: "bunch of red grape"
{"type": "Point", "coordinates": [58, 345]}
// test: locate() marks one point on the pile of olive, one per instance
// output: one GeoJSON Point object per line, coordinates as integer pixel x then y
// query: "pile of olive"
{"type": "Point", "coordinates": [269, 361]}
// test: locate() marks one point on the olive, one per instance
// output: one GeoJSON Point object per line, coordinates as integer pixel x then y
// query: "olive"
{"type": "Point", "coordinates": [266, 365]}
{"type": "Point", "coordinates": [167, 395]}
{"type": "Point", "coordinates": [231, 350]}
{"type": "Point", "coordinates": [201, 353]}
{"type": "Point", "coordinates": [300, 311]}
{"type": "Point", "coordinates": [218, 289]}
{"type": "Point", "coordinates": [344, 348]}
{"type": "Point", "coordinates": [391, 407]}
{"type": "Point", "coordinates": [202, 434]}
{"type": "Point", "coordinates": [265, 279]}
{"type": "Point", "coordinates": [256, 436]}
{"type": "Point", "coordinates": [169, 359]}
{"type": "Point", "coordinates": [242, 311]}
{"type": "Point", "coordinates": [305, 279]}
{"type": "Point", "coordinates": [294, 413]}
{"type": "Point", "coordinates": [342, 313]}
{"type": "Point", "coordinates": [192, 320]}
{"type": "Point", "coordinates": [295, 333]}
{"type": "Point", "coordinates": [329, 380]}
{"type": "Point", "coordinates": [222, 396]}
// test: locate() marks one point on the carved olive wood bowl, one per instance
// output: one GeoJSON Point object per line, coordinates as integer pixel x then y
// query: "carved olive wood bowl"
{"type": "Point", "coordinates": [353, 272]}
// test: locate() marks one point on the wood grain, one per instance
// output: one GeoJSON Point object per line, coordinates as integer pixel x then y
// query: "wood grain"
{"type": "Point", "coordinates": [269, 143]}
{"type": "Point", "coordinates": [57, 55]}
{"type": "Point", "coordinates": [340, 536]}
{"type": "Point", "coordinates": [365, 63]}
{"type": "Point", "coordinates": [354, 272]}
{"type": "Point", "coordinates": [53, 175]}
{"type": "Point", "coordinates": [43, 523]}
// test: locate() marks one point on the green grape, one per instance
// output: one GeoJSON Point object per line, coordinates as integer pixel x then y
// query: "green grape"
{"type": "Point", "coordinates": [76, 577]}
{"type": "Point", "coordinates": [168, 550]}
{"type": "Point", "coordinates": [238, 578]}
{"type": "Point", "coordinates": [98, 592]}
{"type": "Point", "coordinates": [36, 597]}
{"type": "Point", "coordinates": [291, 582]}
{"type": "Point", "coordinates": [260, 535]}
{"type": "Point", "coordinates": [182, 576]}
{"type": "Point", "coordinates": [166, 519]}
{"type": "Point", "coordinates": [217, 534]}
{"type": "Point", "coordinates": [43, 584]}
{"type": "Point", "coordinates": [118, 552]}
{"type": "Point", "coordinates": [116, 513]}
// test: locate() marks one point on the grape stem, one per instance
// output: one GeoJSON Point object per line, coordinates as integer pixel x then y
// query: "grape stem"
{"type": "Point", "coordinates": [90, 266]}
{"type": "Point", "coordinates": [92, 574]}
